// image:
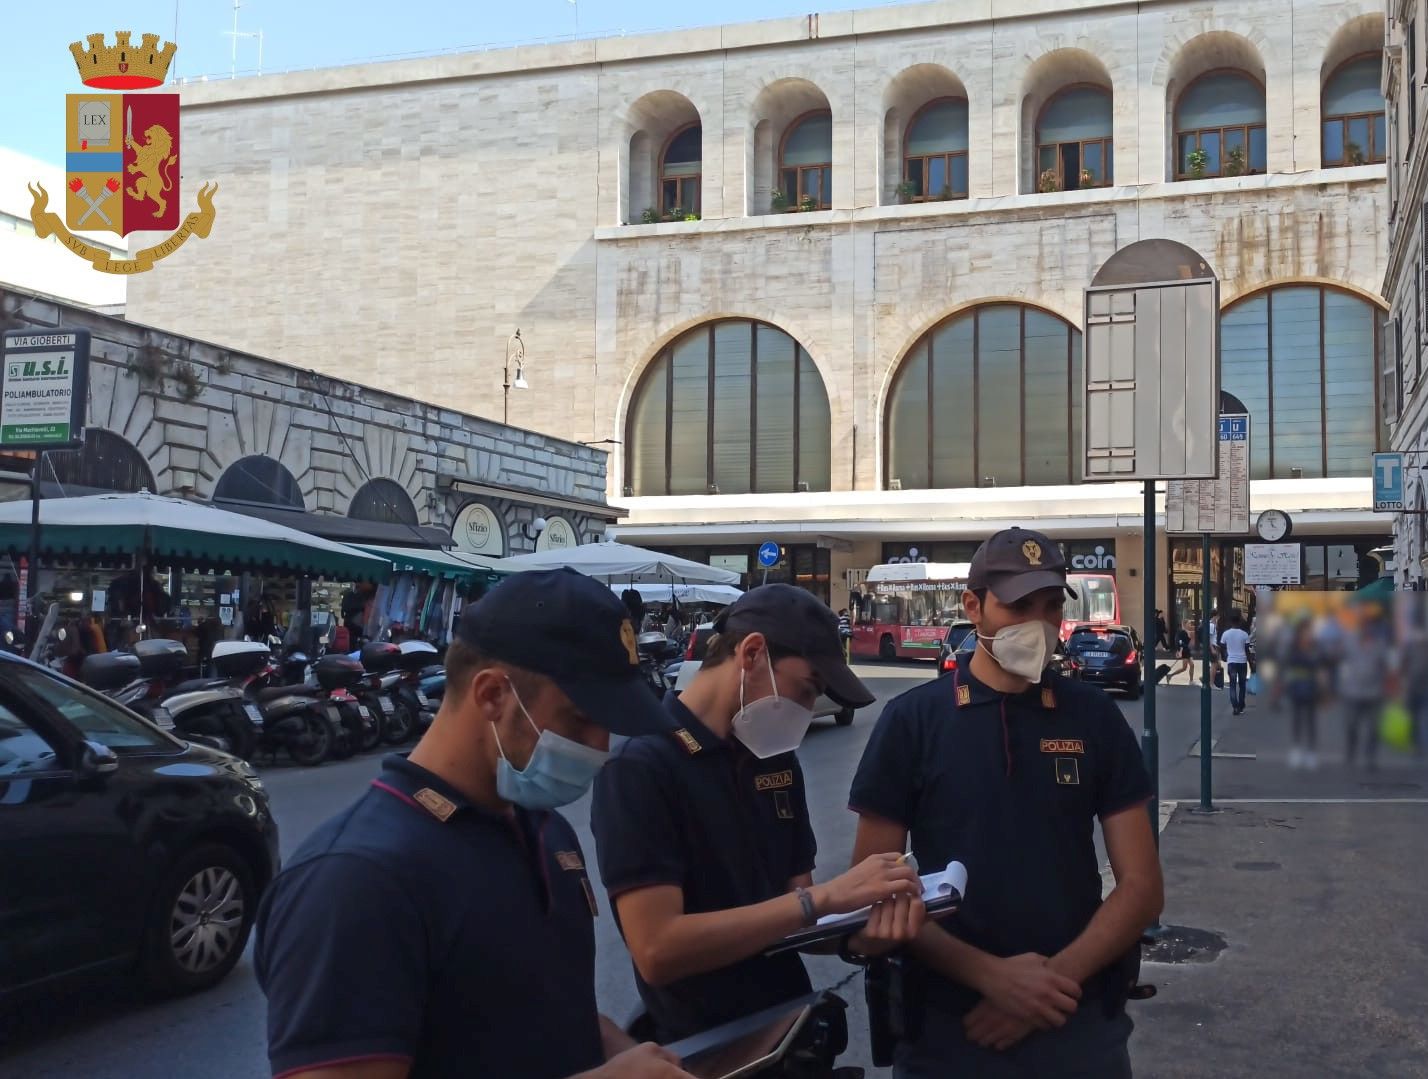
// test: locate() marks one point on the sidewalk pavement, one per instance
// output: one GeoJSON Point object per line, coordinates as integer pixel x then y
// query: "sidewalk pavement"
{"type": "Point", "coordinates": [1322, 907]}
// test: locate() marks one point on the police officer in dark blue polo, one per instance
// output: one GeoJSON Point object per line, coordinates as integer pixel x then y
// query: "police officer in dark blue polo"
{"type": "Point", "coordinates": [441, 926]}
{"type": "Point", "coordinates": [1005, 767]}
{"type": "Point", "coordinates": [703, 835]}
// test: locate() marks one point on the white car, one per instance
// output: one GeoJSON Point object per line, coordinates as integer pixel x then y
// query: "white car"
{"type": "Point", "coordinates": [824, 708]}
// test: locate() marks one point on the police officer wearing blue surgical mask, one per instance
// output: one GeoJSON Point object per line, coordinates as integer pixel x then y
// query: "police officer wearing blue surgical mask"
{"type": "Point", "coordinates": [442, 925]}
{"type": "Point", "coordinates": [703, 835]}
{"type": "Point", "coordinates": [1006, 767]}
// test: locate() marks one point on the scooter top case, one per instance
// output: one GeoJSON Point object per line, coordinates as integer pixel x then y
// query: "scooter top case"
{"type": "Point", "coordinates": [338, 672]}
{"type": "Point", "coordinates": [162, 659]}
{"type": "Point", "coordinates": [107, 671]}
{"type": "Point", "coordinates": [239, 659]}
{"type": "Point", "coordinates": [380, 657]}
{"type": "Point", "coordinates": [417, 656]}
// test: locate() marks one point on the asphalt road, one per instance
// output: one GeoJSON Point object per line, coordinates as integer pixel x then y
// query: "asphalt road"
{"type": "Point", "coordinates": [105, 1030]}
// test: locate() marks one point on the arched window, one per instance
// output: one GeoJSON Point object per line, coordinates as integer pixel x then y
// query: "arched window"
{"type": "Point", "coordinates": [260, 480]}
{"type": "Point", "coordinates": [1353, 113]}
{"type": "Point", "coordinates": [934, 163]}
{"type": "Point", "coordinates": [679, 172]}
{"type": "Point", "coordinates": [106, 462]}
{"type": "Point", "coordinates": [987, 399]}
{"type": "Point", "coordinates": [1073, 140]}
{"type": "Point", "coordinates": [805, 162]}
{"type": "Point", "coordinates": [1302, 359]}
{"type": "Point", "coordinates": [383, 500]}
{"type": "Point", "coordinates": [1219, 126]}
{"type": "Point", "coordinates": [728, 408]}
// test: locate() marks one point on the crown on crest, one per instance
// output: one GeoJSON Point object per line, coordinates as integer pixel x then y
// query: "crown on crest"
{"type": "Point", "coordinates": [123, 65]}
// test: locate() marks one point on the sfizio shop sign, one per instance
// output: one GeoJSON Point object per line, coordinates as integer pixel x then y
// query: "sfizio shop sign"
{"type": "Point", "coordinates": [44, 387]}
{"type": "Point", "coordinates": [478, 529]}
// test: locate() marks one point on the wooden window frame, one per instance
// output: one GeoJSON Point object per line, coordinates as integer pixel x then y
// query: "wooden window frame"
{"type": "Point", "coordinates": [696, 180]}
{"type": "Point", "coordinates": [1199, 132]}
{"type": "Point", "coordinates": [948, 156]}
{"type": "Point", "coordinates": [1108, 141]}
{"type": "Point", "coordinates": [824, 168]}
{"type": "Point", "coordinates": [1373, 155]}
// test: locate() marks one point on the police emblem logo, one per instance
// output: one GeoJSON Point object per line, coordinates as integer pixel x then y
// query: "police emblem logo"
{"type": "Point", "coordinates": [437, 805]}
{"type": "Point", "coordinates": [690, 743]}
{"type": "Point", "coordinates": [122, 157]}
{"type": "Point", "coordinates": [569, 860]}
{"type": "Point", "coordinates": [1048, 699]}
{"type": "Point", "coordinates": [627, 638]}
{"type": "Point", "coordinates": [1063, 745]}
{"type": "Point", "coordinates": [1032, 550]}
{"type": "Point", "coordinates": [783, 806]}
{"type": "Point", "coordinates": [964, 696]}
{"type": "Point", "coordinates": [1068, 773]}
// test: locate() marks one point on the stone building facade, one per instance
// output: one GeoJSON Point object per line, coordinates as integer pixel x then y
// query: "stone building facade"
{"type": "Point", "coordinates": [1405, 284]}
{"type": "Point", "coordinates": [419, 211]}
{"type": "Point", "coordinates": [190, 419]}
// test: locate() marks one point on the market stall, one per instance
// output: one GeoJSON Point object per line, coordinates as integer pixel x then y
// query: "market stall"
{"type": "Point", "coordinates": [140, 564]}
{"type": "Point", "coordinates": [424, 594]}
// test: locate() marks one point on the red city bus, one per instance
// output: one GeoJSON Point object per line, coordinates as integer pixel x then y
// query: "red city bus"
{"type": "Point", "coordinates": [1097, 602]}
{"type": "Point", "coordinates": [907, 609]}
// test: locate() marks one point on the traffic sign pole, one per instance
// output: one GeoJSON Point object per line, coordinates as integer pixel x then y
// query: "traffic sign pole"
{"type": "Point", "coordinates": [1150, 738]}
{"type": "Point", "coordinates": [1206, 698]}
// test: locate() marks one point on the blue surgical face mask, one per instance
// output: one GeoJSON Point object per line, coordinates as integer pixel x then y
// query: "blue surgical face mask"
{"type": "Point", "coordinates": [558, 773]}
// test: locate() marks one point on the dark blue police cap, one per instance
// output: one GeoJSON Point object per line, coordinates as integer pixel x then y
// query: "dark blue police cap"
{"type": "Point", "coordinates": [577, 633]}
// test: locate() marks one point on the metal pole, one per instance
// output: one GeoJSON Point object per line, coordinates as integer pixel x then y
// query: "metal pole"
{"type": "Point", "coordinates": [1206, 760]}
{"type": "Point", "coordinates": [32, 582]}
{"type": "Point", "coordinates": [1150, 740]}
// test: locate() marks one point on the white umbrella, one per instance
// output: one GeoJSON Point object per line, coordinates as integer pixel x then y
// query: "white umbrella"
{"type": "Point", "coordinates": [684, 593]}
{"type": "Point", "coordinates": [620, 562]}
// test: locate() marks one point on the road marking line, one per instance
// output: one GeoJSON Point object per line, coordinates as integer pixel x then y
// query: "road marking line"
{"type": "Point", "coordinates": [1195, 752]}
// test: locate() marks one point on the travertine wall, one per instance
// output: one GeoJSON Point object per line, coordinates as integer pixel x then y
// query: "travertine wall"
{"type": "Point", "coordinates": [395, 223]}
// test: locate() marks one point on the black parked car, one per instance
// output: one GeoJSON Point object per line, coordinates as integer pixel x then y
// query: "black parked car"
{"type": "Point", "coordinates": [121, 846]}
{"type": "Point", "coordinates": [1109, 656]}
{"type": "Point", "coordinates": [960, 638]}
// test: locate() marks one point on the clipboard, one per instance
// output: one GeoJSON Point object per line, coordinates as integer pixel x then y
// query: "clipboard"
{"type": "Point", "coordinates": [745, 1046]}
{"type": "Point", "coordinates": [941, 893]}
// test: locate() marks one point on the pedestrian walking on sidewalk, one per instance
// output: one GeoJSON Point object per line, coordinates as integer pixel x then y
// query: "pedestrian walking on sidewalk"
{"type": "Point", "coordinates": [1184, 658]}
{"type": "Point", "coordinates": [1234, 644]}
{"type": "Point", "coordinates": [1365, 671]}
{"type": "Point", "coordinates": [1301, 681]}
{"type": "Point", "coordinates": [1162, 631]}
{"type": "Point", "coordinates": [1005, 766]}
{"type": "Point", "coordinates": [443, 925]}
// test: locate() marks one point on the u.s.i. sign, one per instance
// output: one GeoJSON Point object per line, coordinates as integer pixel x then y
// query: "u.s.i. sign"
{"type": "Point", "coordinates": [44, 387]}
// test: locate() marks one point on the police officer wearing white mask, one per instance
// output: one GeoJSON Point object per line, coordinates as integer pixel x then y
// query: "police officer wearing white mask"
{"type": "Point", "coordinates": [1006, 767]}
{"type": "Point", "coordinates": [703, 834]}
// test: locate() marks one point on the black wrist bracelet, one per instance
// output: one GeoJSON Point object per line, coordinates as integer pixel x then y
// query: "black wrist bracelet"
{"type": "Point", "coordinates": [846, 953]}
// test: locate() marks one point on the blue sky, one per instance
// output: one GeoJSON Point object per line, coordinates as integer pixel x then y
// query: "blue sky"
{"type": "Point", "coordinates": [38, 69]}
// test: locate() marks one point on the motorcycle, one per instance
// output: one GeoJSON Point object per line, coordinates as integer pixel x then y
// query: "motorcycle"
{"type": "Point", "coordinates": [288, 717]}
{"type": "Point", "coordinates": [337, 676]}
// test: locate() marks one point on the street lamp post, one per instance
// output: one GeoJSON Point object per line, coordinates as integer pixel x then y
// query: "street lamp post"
{"type": "Point", "coordinates": [515, 349]}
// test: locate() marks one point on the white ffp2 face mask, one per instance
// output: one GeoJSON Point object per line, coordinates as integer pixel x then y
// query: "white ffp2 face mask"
{"type": "Point", "coordinates": [1024, 649]}
{"type": "Point", "coordinates": [770, 725]}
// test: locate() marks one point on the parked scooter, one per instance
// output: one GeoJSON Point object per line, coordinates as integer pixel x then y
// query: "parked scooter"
{"type": "Point", "coordinates": [146, 681]}
{"type": "Point", "coordinates": [288, 717]}
{"type": "Point", "coordinates": [419, 657]}
{"type": "Point", "coordinates": [382, 662]}
{"type": "Point", "coordinates": [656, 653]}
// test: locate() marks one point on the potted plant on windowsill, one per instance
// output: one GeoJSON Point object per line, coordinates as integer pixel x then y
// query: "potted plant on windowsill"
{"type": "Point", "coordinates": [809, 204]}
{"type": "Point", "coordinates": [1353, 153]}
{"type": "Point", "coordinates": [945, 195]}
{"type": "Point", "coordinates": [1086, 179]}
{"type": "Point", "coordinates": [906, 191]}
{"type": "Point", "coordinates": [1048, 182]}
{"type": "Point", "coordinates": [1235, 162]}
{"type": "Point", "coordinates": [1198, 160]}
{"type": "Point", "coordinates": [778, 200]}
{"type": "Point", "coordinates": [649, 217]}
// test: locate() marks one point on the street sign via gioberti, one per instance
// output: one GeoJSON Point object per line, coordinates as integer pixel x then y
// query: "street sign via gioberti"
{"type": "Point", "coordinates": [1218, 507]}
{"type": "Point", "coordinates": [44, 384]}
